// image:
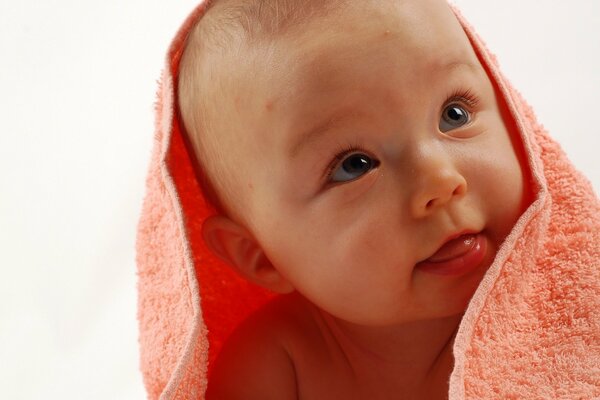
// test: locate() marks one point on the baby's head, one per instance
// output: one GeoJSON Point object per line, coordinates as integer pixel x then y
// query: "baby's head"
{"type": "Point", "coordinates": [346, 142]}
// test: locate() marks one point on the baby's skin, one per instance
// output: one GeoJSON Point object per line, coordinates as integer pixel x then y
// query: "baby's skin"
{"type": "Point", "coordinates": [369, 143]}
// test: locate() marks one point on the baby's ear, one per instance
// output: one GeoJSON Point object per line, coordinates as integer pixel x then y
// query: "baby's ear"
{"type": "Point", "coordinates": [235, 245]}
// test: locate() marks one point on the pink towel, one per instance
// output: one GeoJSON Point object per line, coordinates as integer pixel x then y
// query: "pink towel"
{"type": "Point", "coordinates": [531, 330]}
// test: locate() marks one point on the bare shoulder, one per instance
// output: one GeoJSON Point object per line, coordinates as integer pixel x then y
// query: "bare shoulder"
{"type": "Point", "coordinates": [256, 362]}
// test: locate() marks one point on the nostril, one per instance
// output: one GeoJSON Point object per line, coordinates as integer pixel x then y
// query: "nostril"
{"type": "Point", "coordinates": [460, 189]}
{"type": "Point", "coordinates": [441, 193]}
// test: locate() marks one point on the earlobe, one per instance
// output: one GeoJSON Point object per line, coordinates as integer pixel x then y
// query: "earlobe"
{"type": "Point", "coordinates": [235, 245]}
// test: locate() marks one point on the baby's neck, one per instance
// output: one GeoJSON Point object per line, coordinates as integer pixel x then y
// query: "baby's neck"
{"type": "Point", "coordinates": [415, 355]}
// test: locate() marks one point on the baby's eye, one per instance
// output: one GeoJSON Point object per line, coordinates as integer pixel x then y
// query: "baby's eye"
{"type": "Point", "coordinates": [353, 167]}
{"type": "Point", "coordinates": [454, 116]}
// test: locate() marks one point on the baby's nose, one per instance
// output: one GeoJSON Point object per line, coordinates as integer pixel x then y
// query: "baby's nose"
{"type": "Point", "coordinates": [437, 182]}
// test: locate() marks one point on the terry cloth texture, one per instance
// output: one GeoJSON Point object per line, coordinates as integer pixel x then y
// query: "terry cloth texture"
{"type": "Point", "coordinates": [531, 330]}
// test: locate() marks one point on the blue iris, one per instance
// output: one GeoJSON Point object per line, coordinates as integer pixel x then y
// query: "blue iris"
{"type": "Point", "coordinates": [454, 116]}
{"type": "Point", "coordinates": [353, 167]}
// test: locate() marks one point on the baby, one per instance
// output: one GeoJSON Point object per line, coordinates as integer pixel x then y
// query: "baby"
{"type": "Point", "coordinates": [364, 167]}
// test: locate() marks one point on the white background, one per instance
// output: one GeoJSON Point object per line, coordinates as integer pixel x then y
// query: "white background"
{"type": "Point", "coordinates": [77, 87]}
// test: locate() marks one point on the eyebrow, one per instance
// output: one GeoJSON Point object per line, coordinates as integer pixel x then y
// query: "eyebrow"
{"type": "Point", "coordinates": [317, 131]}
{"type": "Point", "coordinates": [458, 64]}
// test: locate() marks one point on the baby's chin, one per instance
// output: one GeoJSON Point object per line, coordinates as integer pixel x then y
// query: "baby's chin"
{"type": "Point", "coordinates": [441, 296]}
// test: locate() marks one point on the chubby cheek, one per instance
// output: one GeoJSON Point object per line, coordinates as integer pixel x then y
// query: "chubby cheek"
{"type": "Point", "coordinates": [336, 261]}
{"type": "Point", "coordinates": [502, 192]}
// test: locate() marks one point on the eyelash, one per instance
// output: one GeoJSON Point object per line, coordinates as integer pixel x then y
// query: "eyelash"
{"type": "Point", "coordinates": [465, 96]}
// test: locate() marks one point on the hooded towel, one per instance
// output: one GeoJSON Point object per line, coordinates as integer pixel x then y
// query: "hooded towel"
{"type": "Point", "coordinates": [531, 330]}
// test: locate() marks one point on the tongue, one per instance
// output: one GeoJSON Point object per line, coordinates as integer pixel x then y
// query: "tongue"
{"type": "Point", "coordinates": [453, 248]}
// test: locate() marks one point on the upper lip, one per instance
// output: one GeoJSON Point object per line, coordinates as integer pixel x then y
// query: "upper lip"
{"type": "Point", "coordinates": [451, 237]}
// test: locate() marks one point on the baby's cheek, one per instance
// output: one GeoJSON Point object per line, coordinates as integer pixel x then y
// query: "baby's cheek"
{"type": "Point", "coordinates": [502, 194]}
{"type": "Point", "coordinates": [367, 244]}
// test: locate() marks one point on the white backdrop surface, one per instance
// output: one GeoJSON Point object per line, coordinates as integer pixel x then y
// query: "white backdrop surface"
{"type": "Point", "coordinates": [78, 82]}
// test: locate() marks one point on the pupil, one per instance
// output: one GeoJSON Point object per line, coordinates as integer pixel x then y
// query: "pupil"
{"type": "Point", "coordinates": [356, 163]}
{"type": "Point", "coordinates": [455, 113]}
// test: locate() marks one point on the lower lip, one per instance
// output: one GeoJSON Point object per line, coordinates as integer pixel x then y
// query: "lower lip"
{"type": "Point", "coordinates": [459, 265]}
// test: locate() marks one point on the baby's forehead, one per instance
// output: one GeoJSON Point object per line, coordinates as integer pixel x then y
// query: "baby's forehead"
{"type": "Point", "coordinates": [286, 76]}
{"type": "Point", "coordinates": [314, 52]}
{"type": "Point", "coordinates": [289, 72]}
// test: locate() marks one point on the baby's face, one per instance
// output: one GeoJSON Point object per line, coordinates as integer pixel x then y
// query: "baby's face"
{"type": "Point", "coordinates": [364, 143]}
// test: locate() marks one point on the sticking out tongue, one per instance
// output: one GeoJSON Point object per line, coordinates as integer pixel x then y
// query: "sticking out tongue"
{"type": "Point", "coordinates": [454, 248]}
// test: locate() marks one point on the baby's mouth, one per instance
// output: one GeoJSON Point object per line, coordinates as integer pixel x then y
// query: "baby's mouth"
{"type": "Point", "coordinates": [456, 256]}
{"type": "Point", "coordinates": [454, 248]}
